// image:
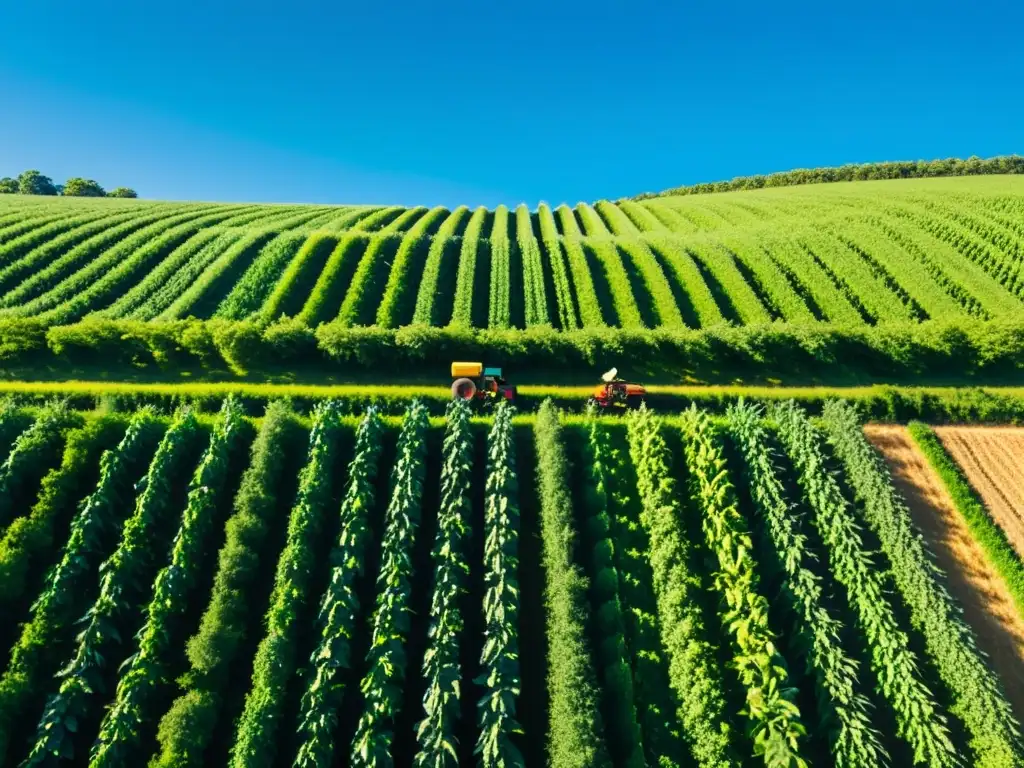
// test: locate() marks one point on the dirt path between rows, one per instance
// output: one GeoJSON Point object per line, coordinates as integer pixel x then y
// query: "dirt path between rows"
{"type": "Point", "coordinates": [987, 605]}
{"type": "Point", "coordinates": [993, 460]}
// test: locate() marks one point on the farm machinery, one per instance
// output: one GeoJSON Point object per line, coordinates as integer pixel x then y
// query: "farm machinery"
{"type": "Point", "coordinates": [474, 381]}
{"type": "Point", "coordinates": [614, 392]}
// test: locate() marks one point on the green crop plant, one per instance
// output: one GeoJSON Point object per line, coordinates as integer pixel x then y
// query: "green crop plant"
{"type": "Point", "coordinates": [693, 673]}
{"type": "Point", "coordinates": [775, 723]}
{"type": "Point", "coordinates": [496, 745]}
{"type": "Point", "coordinates": [57, 606]}
{"type": "Point", "coordinates": [978, 697]}
{"type": "Point", "coordinates": [462, 308]}
{"type": "Point", "coordinates": [251, 290]}
{"type": "Point", "coordinates": [381, 686]}
{"type": "Point", "coordinates": [34, 453]}
{"type": "Point", "coordinates": [426, 311]}
{"type": "Point", "coordinates": [287, 296]}
{"type": "Point", "coordinates": [31, 538]}
{"type": "Point", "coordinates": [276, 658]}
{"type": "Point", "coordinates": [398, 302]}
{"type": "Point", "coordinates": [854, 742]}
{"type": "Point", "coordinates": [121, 578]}
{"type": "Point", "coordinates": [575, 737]}
{"type": "Point", "coordinates": [567, 314]}
{"type": "Point", "coordinates": [436, 731]}
{"type": "Point", "coordinates": [500, 308]}
{"type": "Point", "coordinates": [920, 721]}
{"type": "Point", "coordinates": [146, 672]}
{"type": "Point", "coordinates": [340, 605]}
{"type": "Point", "coordinates": [187, 727]}
{"type": "Point", "coordinates": [533, 269]}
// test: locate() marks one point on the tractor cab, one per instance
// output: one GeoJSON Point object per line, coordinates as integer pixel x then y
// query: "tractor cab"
{"type": "Point", "coordinates": [474, 381]}
{"type": "Point", "coordinates": [614, 392]}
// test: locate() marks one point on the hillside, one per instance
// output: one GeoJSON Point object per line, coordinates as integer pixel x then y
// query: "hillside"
{"type": "Point", "coordinates": [878, 274]}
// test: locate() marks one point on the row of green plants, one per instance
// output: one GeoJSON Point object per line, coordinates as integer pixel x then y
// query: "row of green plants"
{"type": "Point", "coordinates": [846, 711]}
{"type": "Point", "coordinates": [187, 729]}
{"type": "Point", "coordinates": [535, 295]}
{"type": "Point", "coordinates": [576, 736]}
{"type": "Point", "coordinates": [466, 275]}
{"type": "Point", "coordinates": [382, 685]}
{"type": "Point", "coordinates": [93, 533]}
{"type": "Point", "coordinates": [612, 659]}
{"type": "Point", "coordinates": [340, 607]}
{"type": "Point", "coordinates": [258, 728]}
{"type": "Point", "coordinates": [560, 268]}
{"type": "Point", "coordinates": [985, 530]}
{"type": "Point", "coordinates": [498, 744]}
{"type": "Point", "coordinates": [147, 672]}
{"type": "Point", "coordinates": [868, 585]}
{"type": "Point", "coordinates": [428, 309]}
{"type": "Point", "coordinates": [397, 303]}
{"type": "Point", "coordinates": [499, 313]}
{"type": "Point", "coordinates": [965, 350]}
{"type": "Point", "coordinates": [436, 732]}
{"type": "Point", "coordinates": [121, 589]}
{"type": "Point", "coordinates": [775, 723]}
{"type": "Point", "coordinates": [693, 672]}
{"type": "Point", "coordinates": [978, 699]}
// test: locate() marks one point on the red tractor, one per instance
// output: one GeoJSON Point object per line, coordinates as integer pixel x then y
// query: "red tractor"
{"type": "Point", "coordinates": [475, 382]}
{"type": "Point", "coordinates": [614, 392]}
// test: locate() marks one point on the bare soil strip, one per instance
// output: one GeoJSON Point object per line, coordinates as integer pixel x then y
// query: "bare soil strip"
{"type": "Point", "coordinates": [988, 607]}
{"type": "Point", "coordinates": [993, 460]}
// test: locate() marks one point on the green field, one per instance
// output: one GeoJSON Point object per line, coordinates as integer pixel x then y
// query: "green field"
{"type": "Point", "coordinates": [572, 591]}
{"type": "Point", "coordinates": [850, 254]}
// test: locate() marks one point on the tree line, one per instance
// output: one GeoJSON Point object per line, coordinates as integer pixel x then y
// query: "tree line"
{"type": "Point", "coordinates": [910, 169]}
{"type": "Point", "coordinates": [35, 183]}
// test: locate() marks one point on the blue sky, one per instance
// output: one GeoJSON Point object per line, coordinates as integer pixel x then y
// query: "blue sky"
{"type": "Point", "coordinates": [481, 103]}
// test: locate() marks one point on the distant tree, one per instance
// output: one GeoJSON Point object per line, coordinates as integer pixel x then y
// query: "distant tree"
{"type": "Point", "coordinates": [8, 186]}
{"type": "Point", "coordinates": [122, 192]}
{"type": "Point", "coordinates": [34, 183]}
{"type": "Point", "coordinates": [79, 187]}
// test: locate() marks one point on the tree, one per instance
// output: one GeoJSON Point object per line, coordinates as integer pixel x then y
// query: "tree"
{"type": "Point", "coordinates": [34, 183]}
{"type": "Point", "coordinates": [122, 192]}
{"type": "Point", "coordinates": [79, 187]}
{"type": "Point", "coordinates": [8, 186]}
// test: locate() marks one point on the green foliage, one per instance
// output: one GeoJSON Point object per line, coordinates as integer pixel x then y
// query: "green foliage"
{"type": "Point", "coordinates": [79, 187]}
{"type": "Point", "coordinates": [920, 722]}
{"type": "Point", "coordinates": [340, 605]}
{"type": "Point", "coordinates": [427, 311]}
{"type": "Point", "coordinates": [31, 538]}
{"type": "Point", "coordinates": [250, 293]}
{"type": "Point", "coordinates": [121, 578]}
{"type": "Point", "coordinates": [978, 697]}
{"type": "Point", "coordinates": [462, 310]}
{"type": "Point", "coordinates": [693, 673]}
{"type": "Point", "coordinates": [496, 745]}
{"type": "Point", "coordinates": [986, 531]}
{"type": "Point", "coordinates": [575, 731]}
{"type": "Point", "coordinates": [533, 270]}
{"type": "Point", "coordinates": [56, 608]}
{"type": "Point", "coordinates": [125, 192]}
{"type": "Point", "coordinates": [8, 186]}
{"type": "Point", "coordinates": [611, 656]}
{"type": "Point", "coordinates": [398, 302]}
{"type": "Point", "coordinates": [436, 731]}
{"type": "Point", "coordinates": [146, 672]}
{"type": "Point", "coordinates": [500, 307]}
{"type": "Point", "coordinates": [382, 684]}
{"type": "Point", "coordinates": [34, 183]}
{"type": "Point", "coordinates": [775, 722]}
{"type": "Point", "coordinates": [857, 172]}
{"type": "Point", "coordinates": [187, 727]}
{"type": "Point", "coordinates": [35, 452]}
{"type": "Point", "coordinates": [276, 658]}
{"type": "Point", "coordinates": [847, 719]}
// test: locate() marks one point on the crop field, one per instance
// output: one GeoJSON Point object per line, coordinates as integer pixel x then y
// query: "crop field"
{"type": "Point", "coordinates": [850, 254]}
{"type": "Point", "coordinates": [576, 590]}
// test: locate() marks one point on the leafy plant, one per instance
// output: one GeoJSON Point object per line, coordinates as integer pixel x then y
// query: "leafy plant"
{"type": "Point", "coordinates": [144, 673]}
{"type": "Point", "coordinates": [775, 722]}
{"type": "Point", "coordinates": [382, 684]}
{"type": "Point", "coordinates": [693, 673]}
{"type": "Point", "coordinates": [847, 711]}
{"type": "Point", "coordinates": [500, 676]}
{"type": "Point", "coordinates": [340, 606]}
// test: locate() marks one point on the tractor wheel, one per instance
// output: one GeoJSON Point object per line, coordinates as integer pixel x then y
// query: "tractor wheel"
{"type": "Point", "coordinates": [463, 389]}
{"type": "Point", "coordinates": [633, 402]}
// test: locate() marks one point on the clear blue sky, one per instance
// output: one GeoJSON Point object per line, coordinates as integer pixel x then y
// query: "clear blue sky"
{"type": "Point", "coordinates": [486, 102]}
